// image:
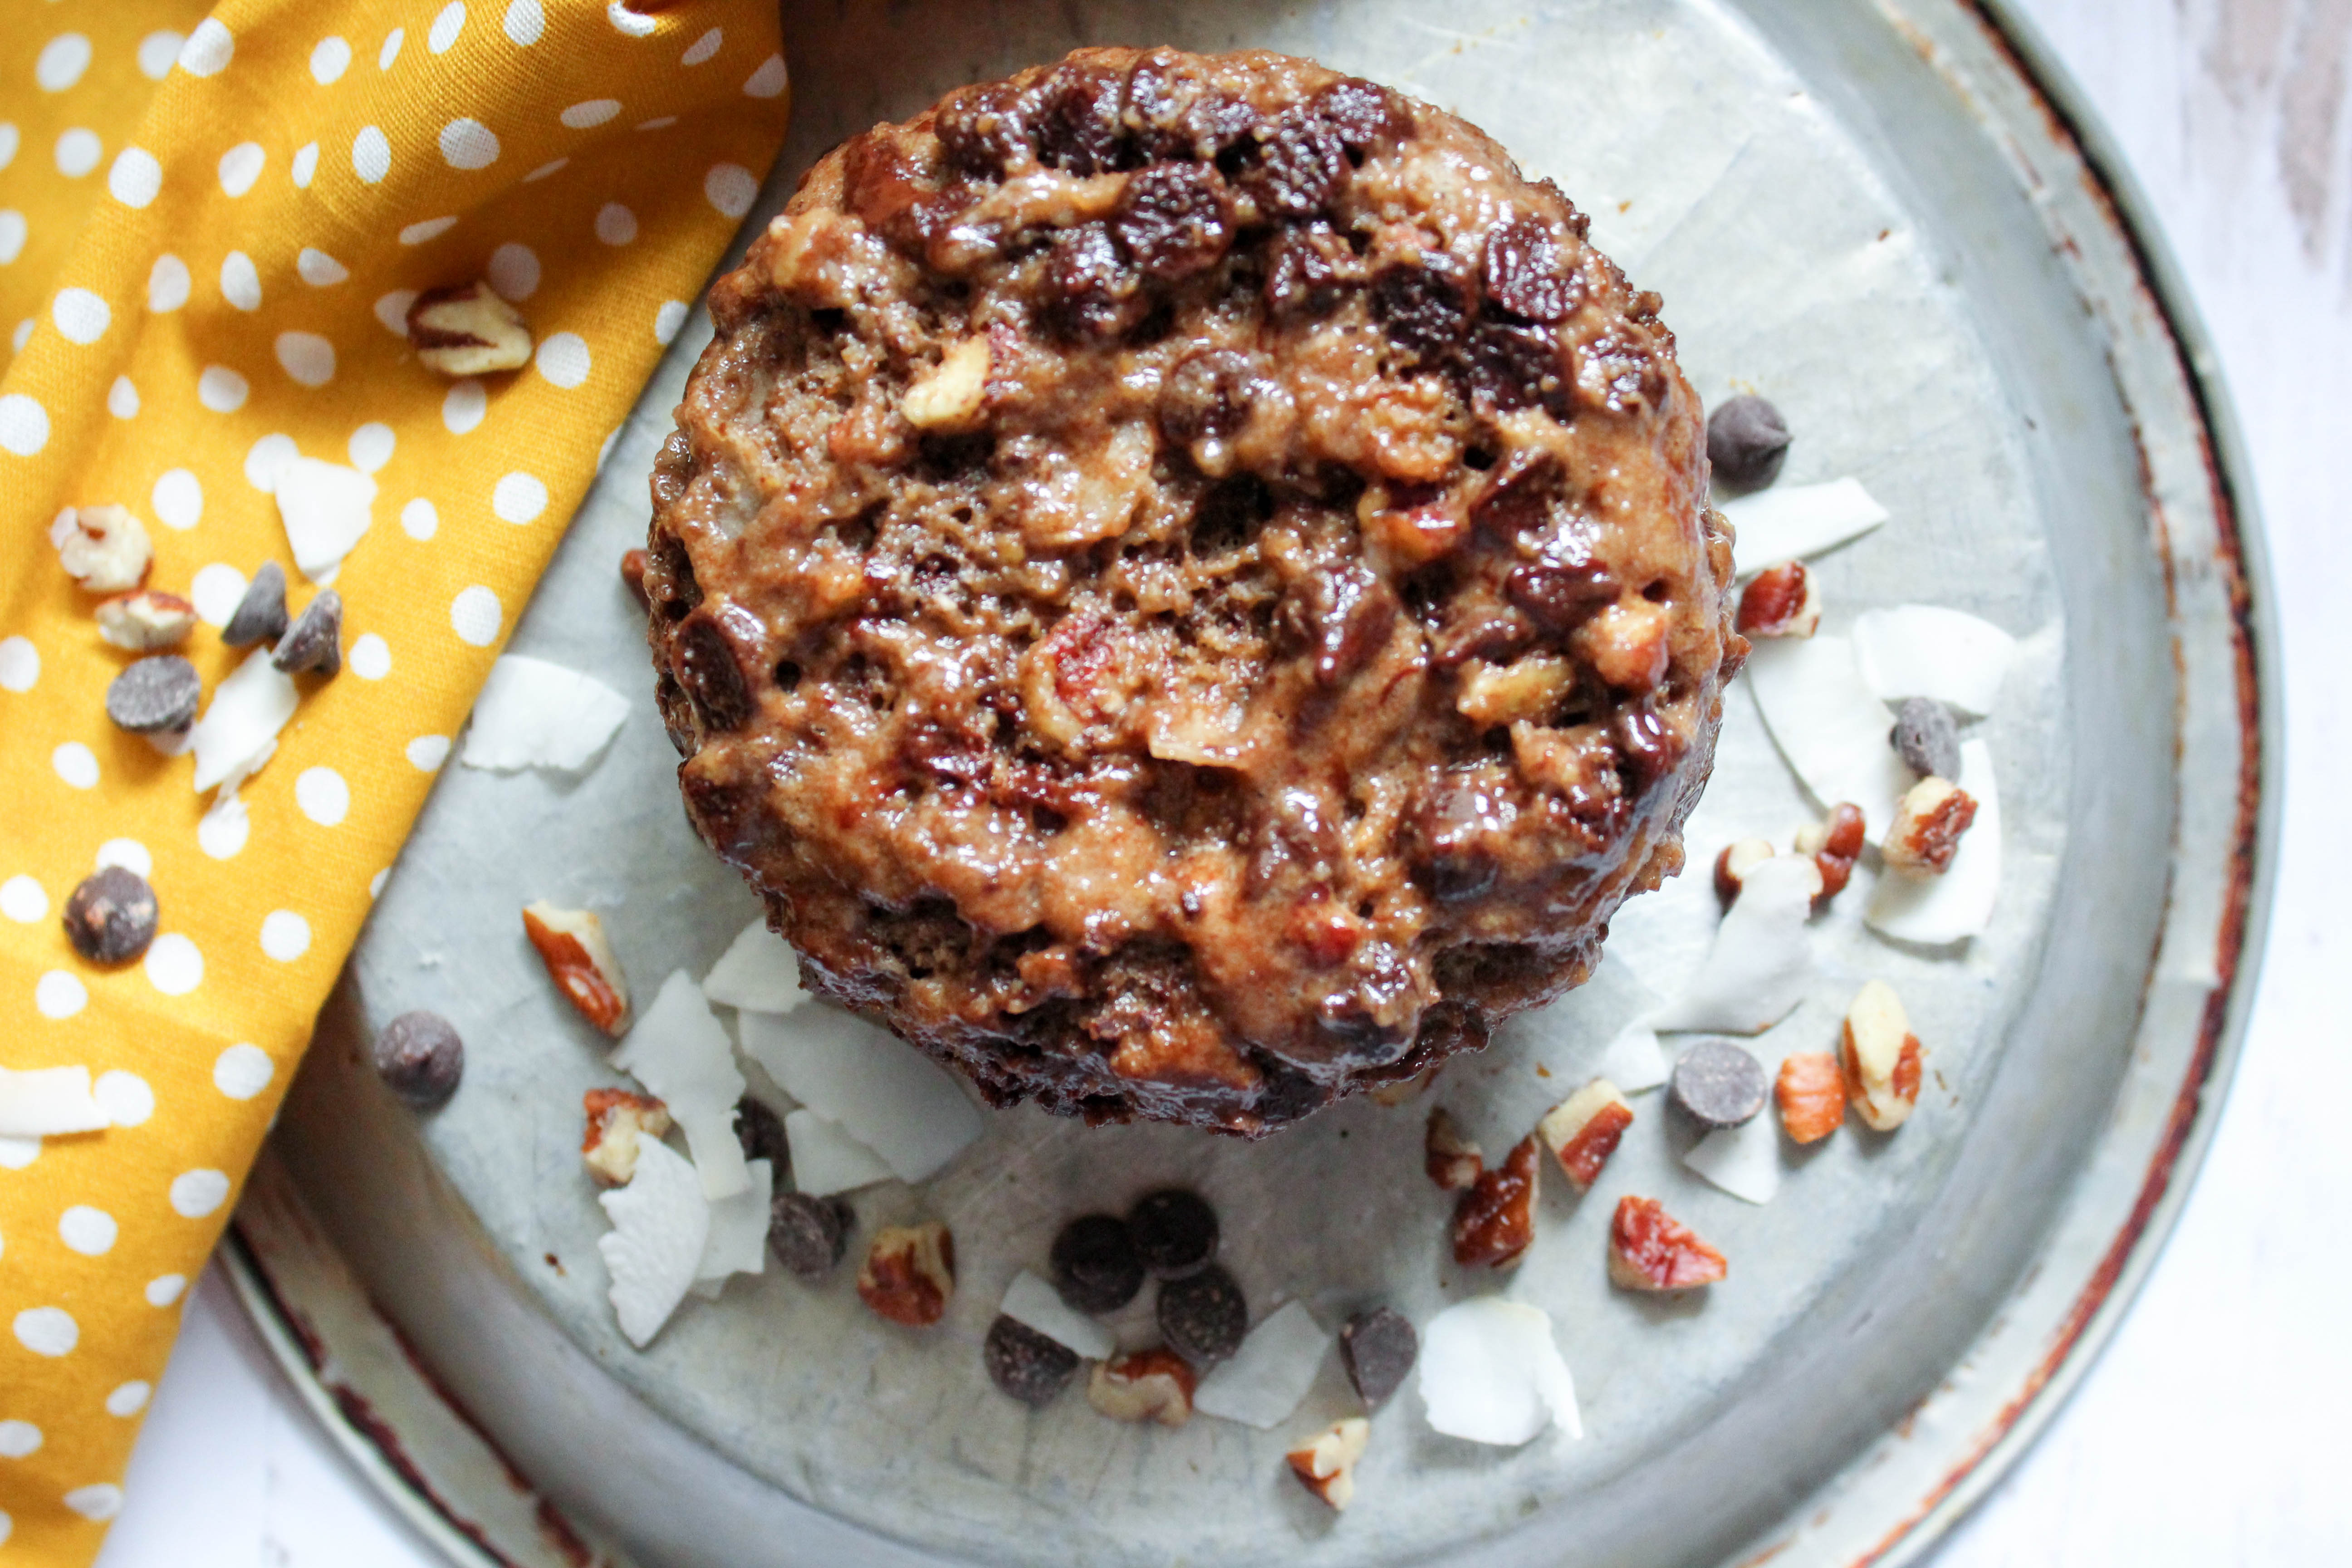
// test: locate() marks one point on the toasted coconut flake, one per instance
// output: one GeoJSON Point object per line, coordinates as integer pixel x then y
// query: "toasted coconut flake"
{"type": "Point", "coordinates": [661, 1221]}
{"type": "Point", "coordinates": [1762, 960]}
{"type": "Point", "coordinates": [1789, 522]}
{"type": "Point", "coordinates": [326, 508]}
{"type": "Point", "coordinates": [757, 973]}
{"type": "Point", "coordinates": [239, 728]}
{"type": "Point", "coordinates": [1262, 1382]}
{"type": "Point", "coordinates": [1744, 1160]}
{"type": "Point", "coordinates": [1031, 1301]}
{"type": "Point", "coordinates": [737, 1241]}
{"type": "Point", "coordinates": [1634, 1060]}
{"type": "Point", "coordinates": [1830, 726]}
{"type": "Point", "coordinates": [1934, 911]}
{"type": "Point", "coordinates": [534, 714]}
{"type": "Point", "coordinates": [1927, 650]}
{"type": "Point", "coordinates": [44, 1102]}
{"type": "Point", "coordinates": [680, 1052]}
{"type": "Point", "coordinates": [1490, 1373]}
{"type": "Point", "coordinates": [883, 1092]}
{"type": "Point", "coordinates": [825, 1159]}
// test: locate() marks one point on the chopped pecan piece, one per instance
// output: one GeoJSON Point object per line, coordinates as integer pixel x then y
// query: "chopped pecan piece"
{"type": "Point", "coordinates": [1649, 1249]}
{"type": "Point", "coordinates": [1928, 822]}
{"type": "Point", "coordinates": [1731, 867]}
{"type": "Point", "coordinates": [1147, 1386]}
{"type": "Point", "coordinates": [1812, 1092]}
{"type": "Point", "coordinates": [1880, 1058]}
{"type": "Point", "coordinates": [1782, 602]}
{"type": "Point", "coordinates": [582, 963]}
{"type": "Point", "coordinates": [617, 1119]}
{"type": "Point", "coordinates": [1496, 1219]}
{"type": "Point", "coordinates": [1835, 844]}
{"type": "Point", "coordinates": [1582, 1131]}
{"type": "Point", "coordinates": [1452, 1162]}
{"type": "Point", "coordinates": [909, 1273]}
{"type": "Point", "coordinates": [1326, 1463]}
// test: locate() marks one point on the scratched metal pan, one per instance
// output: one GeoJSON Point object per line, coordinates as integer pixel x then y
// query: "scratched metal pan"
{"type": "Point", "coordinates": [1889, 217]}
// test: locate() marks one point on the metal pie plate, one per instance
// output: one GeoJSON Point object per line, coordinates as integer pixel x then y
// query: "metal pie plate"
{"type": "Point", "coordinates": [1877, 216]}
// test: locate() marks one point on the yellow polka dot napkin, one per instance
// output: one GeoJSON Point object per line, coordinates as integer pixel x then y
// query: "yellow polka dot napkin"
{"type": "Point", "coordinates": [210, 226]}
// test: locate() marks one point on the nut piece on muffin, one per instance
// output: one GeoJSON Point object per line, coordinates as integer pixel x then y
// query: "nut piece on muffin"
{"type": "Point", "coordinates": [1187, 585]}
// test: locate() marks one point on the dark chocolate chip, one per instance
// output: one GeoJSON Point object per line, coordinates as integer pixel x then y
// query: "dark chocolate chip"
{"type": "Point", "coordinates": [155, 695]}
{"type": "Point", "coordinates": [807, 1234]}
{"type": "Point", "coordinates": [1513, 367]}
{"type": "Point", "coordinates": [1205, 395]}
{"type": "Point", "coordinates": [1030, 1366]}
{"type": "Point", "coordinates": [315, 640]}
{"type": "Point", "coordinates": [1458, 826]}
{"type": "Point", "coordinates": [1364, 115]}
{"type": "Point", "coordinates": [110, 918]}
{"type": "Point", "coordinates": [1088, 286]}
{"type": "Point", "coordinates": [1420, 308]}
{"type": "Point", "coordinates": [1345, 614]}
{"type": "Point", "coordinates": [1649, 746]}
{"type": "Point", "coordinates": [1095, 1266]}
{"type": "Point", "coordinates": [1170, 220]}
{"type": "Point", "coordinates": [420, 1058]}
{"type": "Point", "coordinates": [260, 616]}
{"type": "Point", "coordinates": [1295, 165]}
{"type": "Point", "coordinates": [1928, 738]}
{"type": "Point", "coordinates": [1203, 1316]}
{"type": "Point", "coordinates": [1747, 440]}
{"type": "Point", "coordinates": [1717, 1084]}
{"type": "Point", "coordinates": [1378, 1347]}
{"type": "Point", "coordinates": [760, 1131]}
{"type": "Point", "coordinates": [986, 129]}
{"type": "Point", "coordinates": [1174, 1232]}
{"type": "Point", "coordinates": [1560, 593]}
{"type": "Point", "coordinates": [1523, 272]}
{"type": "Point", "coordinates": [1310, 272]}
{"type": "Point", "coordinates": [708, 668]}
{"type": "Point", "coordinates": [1078, 119]}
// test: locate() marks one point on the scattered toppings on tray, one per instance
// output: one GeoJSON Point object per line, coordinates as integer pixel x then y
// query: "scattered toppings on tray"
{"type": "Point", "coordinates": [1880, 1058]}
{"type": "Point", "coordinates": [466, 329]}
{"type": "Point", "coordinates": [1203, 1316]}
{"type": "Point", "coordinates": [1934, 911]}
{"type": "Point", "coordinates": [1325, 1464]}
{"type": "Point", "coordinates": [1761, 963]}
{"type": "Point", "coordinates": [757, 973]}
{"type": "Point", "coordinates": [1174, 1233]}
{"type": "Point", "coordinates": [48, 1102]}
{"type": "Point", "coordinates": [1269, 1372]}
{"type": "Point", "coordinates": [1781, 601]}
{"type": "Point", "coordinates": [618, 1121]}
{"type": "Point", "coordinates": [908, 1273]}
{"type": "Point", "coordinates": [1812, 1095]}
{"type": "Point", "coordinates": [808, 1233]}
{"type": "Point", "coordinates": [420, 1057]}
{"type": "Point", "coordinates": [1030, 1300]}
{"type": "Point", "coordinates": [680, 1052]}
{"type": "Point", "coordinates": [1452, 1162]}
{"type": "Point", "coordinates": [1717, 1084]}
{"type": "Point", "coordinates": [580, 959]}
{"type": "Point", "coordinates": [1649, 1249]}
{"type": "Point", "coordinates": [1494, 1220]}
{"type": "Point", "coordinates": [661, 1221]}
{"type": "Point", "coordinates": [1378, 1347]}
{"type": "Point", "coordinates": [110, 916]}
{"type": "Point", "coordinates": [1583, 1130]}
{"type": "Point", "coordinates": [1153, 1384]}
{"type": "Point", "coordinates": [1096, 1269]}
{"type": "Point", "coordinates": [1491, 1374]}
{"type": "Point", "coordinates": [1829, 724]}
{"type": "Point", "coordinates": [896, 1102]}
{"type": "Point", "coordinates": [104, 548]}
{"type": "Point", "coordinates": [1746, 441]}
{"type": "Point", "coordinates": [1031, 1367]}
{"type": "Point", "coordinates": [534, 714]}
{"type": "Point", "coordinates": [326, 508]}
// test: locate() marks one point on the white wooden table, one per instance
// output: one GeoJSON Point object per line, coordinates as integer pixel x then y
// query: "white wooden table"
{"type": "Point", "coordinates": [2210, 1433]}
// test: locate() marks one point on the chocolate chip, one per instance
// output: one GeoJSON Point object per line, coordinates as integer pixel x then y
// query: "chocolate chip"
{"type": "Point", "coordinates": [986, 129]}
{"type": "Point", "coordinates": [155, 694]}
{"type": "Point", "coordinates": [1095, 1266]}
{"type": "Point", "coordinates": [1378, 1347]}
{"type": "Point", "coordinates": [110, 917]}
{"type": "Point", "coordinates": [1027, 1364]}
{"type": "Point", "coordinates": [1364, 115]}
{"type": "Point", "coordinates": [1174, 111]}
{"type": "Point", "coordinates": [1087, 284]}
{"type": "Point", "coordinates": [1523, 272]}
{"type": "Point", "coordinates": [1203, 1316]}
{"type": "Point", "coordinates": [1310, 272]}
{"type": "Point", "coordinates": [1174, 1232]}
{"type": "Point", "coordinates": [808, 1233]}
{"type": "Point", "coordinates": [707, 667]}
{"type": "Point", "coordinates": [260, 616]}
{"type": "Point", "coordinates": [1420, 306]}
{"type": "Point", "coordinates": [1745, 441]}
{"type": "Point", "coordinates": [420, 1058]}
{"type": "Point", "coordinates": [760, 1131]}
{"type": "Point", "coordinates": [315, 640]}
{"type": "Point", "coordinates": [1928, 738]}
{"type": "Point", "coordinates": [1345, 614]}
{"type": "Point", "coordinates": [1649, 746]}
{"type": "Point", "coordinates": [1078, 119]}
{"type": "Point", "coordinates": [1716, 1084]}
{"type": "Point", "coordinates": [1560, 591]}
{"type": "Point", "coordinates": [1170, 220]}
{"type": "Point", "coordinates": [1458, 825]}
{"type": "Point", "coordinates": [1295, 165]}
{"type": "Point", "coordinates": [1205, 395]}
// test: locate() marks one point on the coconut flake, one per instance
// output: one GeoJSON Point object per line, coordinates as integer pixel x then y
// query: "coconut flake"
{"type": "Point", "coordinates": [882, 1092]}
{"type": "Point", "coordinates": [1030, 1300]}
{"type": "Point", "coordinates": [679, 1051]}
{"type": "Point", "coordinates": [1830, 726]}
{"type": "Point", "coordinates": [1793, 522]}
{"type": "Point", "coordinates": [239, 728]}
{"type": "Point", "coordinates": [661, 1223]}
{"type": "Point", "coordinates": [1267, 1378]}
{"type": "Point", "coordinates": [825, 1159]}
{"type": "Point", "coordinates": [1934, 911]}
{"type": "Point", "coordinates": [757, 973]}
{"type": "Point", "coordinates": [737, 1241]}
{"type": "Point", "coordinates": [1762, 960]}
{"type": "Point", "coordinates": [42, 1102]}
{"type": "Point", "coordinates": [1926, 650]}
{"type": "Point", "coordinates": [534, 714]}
{"type": "Point", "coordinates": [1491, 1374]}
{"type": "Point", "coordinates": [1744, 1160]}
{"type": "Point", "coordinates": [326, 508]}
{"type": "Point", "coordinates": [1634, 1060]}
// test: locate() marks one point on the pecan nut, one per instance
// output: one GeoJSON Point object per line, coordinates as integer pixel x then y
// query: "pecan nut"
{"type": "Point", "coordinates": [617, 1121]}
{"type": "Point", "coordinates": [1928, 822]}
{"type": "Point", "coordinates": [1881, 1057]}
{"type": "Point", "coordinates": [1326, 1463]}
{"type": "Point", "coordinates": [1147, 1386]}
{"type": "Point", "coordinates": [909, 1273]}
{"type": "Point", "coordinates": [466, 330]}
{"type": "Point", "coordinates": [580, 961]}
{"type": "Point", "coordinates": [1582, 1131]}
{"type": "Point", "coordinates": [1650, 1250]}
{"type": "Point", "coordinates": [1496, 1219]}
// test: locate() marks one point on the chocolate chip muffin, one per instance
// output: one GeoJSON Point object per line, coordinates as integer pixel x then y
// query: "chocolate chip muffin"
{"type": "Point", "coordinates": [1187, 585]}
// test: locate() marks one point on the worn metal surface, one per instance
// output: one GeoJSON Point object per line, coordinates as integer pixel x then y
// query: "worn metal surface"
{"type": "Point", "coordinates": [1875, 217]}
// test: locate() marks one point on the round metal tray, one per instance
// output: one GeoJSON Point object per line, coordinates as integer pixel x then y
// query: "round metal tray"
{"type": "Point", "coordinates": [1892, 218]}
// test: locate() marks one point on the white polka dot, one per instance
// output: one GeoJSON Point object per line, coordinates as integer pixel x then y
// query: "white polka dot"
{"type": "Point", "coordinates": [371, 657]}
{"type": "Point", "coordinates": [179, 498]}
{"type": "Point", "coordinates": [127, 1098]}
{"type": "Point", "coordinates": [392, 310]}
{"type": "Point", "coordinates": [371, 447]}
{"type": "Point", "coordinates": [243, 1071]}
{"type": "Point", "coordinates": [468, 145]}
{"type": "Point", "coordinates": [82, 316]}
{"type": "Point", "coordinates": [221, 389]}
{"type": "Point", "coordinates": [463, 406]}
{"type": "Point", "coordinates": [318, 269]}
{"type": "Point", "coordinates": [18, 1439]}
{"type": "Point", "coordinates": [240, 166]}
{"type": "Point", "coordinates": [156, 52]}
{"type": "Point", "coordinates": [173, 964]}
{"type": "Point", "coordinates": [309, 358]}
{"type": "Point", "coordinates": [164, 1288]}
{"type": "Point", "coordinates": [214, 590]}
{"type": "Point", "coordinates": [304, 166]}
{"type": "Point", "coordinates": [8, 139]}
{"type": "Point", "coordinates": [427, 752]}
{"type": "Point", "coordinates": [616, 225]}
{"type": "Point", "coordinates": [702, 48]}
{"type": "Point", "coordinates": [626, 21]}
{"type": "Point", "coordinates": [419, 520]}
{"type": "Point", "coordinates": [207, 51]}
{"type": "Point", "coordinates": [446, 25]}
{"type": "Point", "coordinates": [427, 229]}
{"type": "Point", "coordinates": [20, 664]}
{"type": "Point", "coordinates": [123, 399]}
{"type": "Point", "coordinates": [127, 1399]}
{"type": "Point", "coordinates": [221, 832]}
{"type": "Point", "coordinates": [769, 81]}
{"type": "Point", "coordinates": [195, 1193]}
{"type": "Point", "coordinates": [323, 796]}
{"type": "Point", "coordinates": [16, 1153]}
{"type": "Point", "coordinates": [96, 1503]}
{"type": "Point", "coordinates": [525, 21]}
{"type": "Point", "coordinates": [76, 763]}
{"type": "Point", "coordinates": [591, 112]}
{"type": "Point", "coordinates": [167, 284]}
{"type": "Point", "coordinates": [21, 336]}
{"type": "Point", "coordinates": [544, 170]}
{"type": "Point", "coordinates": [285, 935]}
{"type": "Point", "coordinates": [514, 271]}
{"type": "Point", "coordinates": [669, 319]}
{"type": "Point", "coordinates": [562, 358]}
{"type": "Point", "coordinates": [376, 882]}
{"type": "Point", "coordinates": [135, 177]}
{"type": "Point", "coordinates": [240, 282]}
{"type": "Point", "coordinates": [329, 58]}
{"type": "Point", "coordinates": [23, 425]}
{"type": "Point", "coordinates": [63, 59]}
{"type": "Point", "coordinates": [13, 234]}
{"type": "Point", "coordinates": [731, 188]}
{"type": "Point", "coordinates": [658, 122]}
{"type": "Point", "coordinates": [22, 899]}
{"type": "Point", "coordinates": [78, 150]}
{"type": "Point", "coordinates": [59, 994]}
{"type": "Point", "coordinates": [371, 154]}
{"type": "Point", "coordinates": [519, 498]}
{"type": "Point", "coordinates": [87, 1231]}
{"type": "Point", "coordinates": [476, 615]}
{"type": "Point", "coordinates": [47, 1330]}
{"type": "Point", "coordinates": [127, 853]}
{"type": "Point", "coordinates": [266, 459]}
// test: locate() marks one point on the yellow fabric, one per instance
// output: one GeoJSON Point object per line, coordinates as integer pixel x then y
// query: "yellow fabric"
{"type": "Point", "coordinates": [299, 167]}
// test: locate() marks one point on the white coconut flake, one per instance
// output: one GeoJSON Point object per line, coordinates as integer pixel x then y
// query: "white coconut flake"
{"type": "Point", "coordinates": [1829, 725]}
{"type": "Point", "coordinates": [534, 714]}
{"type": "Point", "coordinates": [42, 1102]}
{"type": "Point", "coordinates": [1762, 960]}
{"type": "Point", "coordinates": [1926, 650]}
{"type": "Point", "coordinates": [1029, 1300]}
{"type": "Point", "coordinates": [1744, 1160]}
{"type": "Point", "coordinates": [239, 727]}
{"type": "Point", "coordinates": [882, 1092]}
{"type": "Point", "coordinates": [825, 1159]}
{"type": "Point", "coordinates": [1634, 1061]}
{"type": "Point", "coordinates": [679, 1051]}
{"type": "Point", "coordinates": [1265, 1380]}
{"type": "Point", "coordinates": [1491, 1374]}
{"type": "Point", "coordinates": [661, 1223]}
{"type": "Point", "coordinates": [757, 973]}
{"type": "Point", "coordinates": [1935, 911]}
{"type": "Point", "coordinates": [1794, 522]}
{"type": "Point", "coordinates": [326, 508]}
{"type": "Point", "coordinates": [737, 1242]}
